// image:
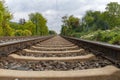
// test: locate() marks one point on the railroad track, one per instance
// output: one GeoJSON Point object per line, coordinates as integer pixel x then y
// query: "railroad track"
{"type": "Point", "coordinates": [57, 58]}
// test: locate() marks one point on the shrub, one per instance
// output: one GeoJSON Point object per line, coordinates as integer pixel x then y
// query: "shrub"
{"type": "Point", "coordinates": [110, 36]}
{"type": "Point", "coordinates": [22, 33]}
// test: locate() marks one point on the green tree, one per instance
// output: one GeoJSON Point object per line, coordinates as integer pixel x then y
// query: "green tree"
{"type": "Point", "coordinates": [18, 33]}
{"type": "Point", "coordinates": [88, 19]}
{"type": "Point", "coordinates": [70, 25]}
{"type": "Point", "coordinates": [113, 10]}
{"type": "Point", "coordinates": [95, 20]}
{"type": "Point", "coordinates": [16, 26]}
{"type": "Point", "coordinates": [64, 30]}
{"type": "Point", "coordinates": [74, 22]}
{"type": "Point", "coordinates": [22, 33]}
{"type": "Point", "coordinates": [51, 32]}
{"type": "Point", "coordinates": [40, 22]}
{"type": "Point", "coordinates": [27, 33]}
{"type": "Point", "coordinates": [5, 17]}
{"type": "Point", "coordinates": [30, 26]}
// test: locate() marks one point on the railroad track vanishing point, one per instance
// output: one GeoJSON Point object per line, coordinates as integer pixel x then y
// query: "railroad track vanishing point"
{"type": "Point", "coordinates": [58, 58]}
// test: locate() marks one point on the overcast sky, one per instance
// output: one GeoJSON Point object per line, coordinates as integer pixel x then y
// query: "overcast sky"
{"type": "Point", "coordinates": [53, 10]}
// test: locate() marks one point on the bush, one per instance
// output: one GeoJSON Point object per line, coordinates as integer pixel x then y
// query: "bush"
{"type": "Point", "coordinates": [27, 33]}
{"type": "Point", "coordinates": [76, 35]}
{"type": "Point", "coordinates": [22, 33]}
{"type": "Point", "coordinates": [18, 33]}
{"type": "Point", "coordinates": [110, 36]}
{"type": "Point", "coordinates": [115, 40]}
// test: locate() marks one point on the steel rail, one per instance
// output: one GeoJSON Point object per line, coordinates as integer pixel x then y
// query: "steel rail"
{"type": "Point", "coordinates": [109, 51]}
{"type": "Point", "coordinates": [9, 47]}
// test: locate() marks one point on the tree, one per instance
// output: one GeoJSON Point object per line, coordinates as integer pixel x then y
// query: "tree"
{"type": "Point", "coordinates": [30, 26]}
{"type": "Point", "coordinates": [40, 22]}
{"type": "Point", "coordinates": [15, 25]}
{"type": "Point", "coordinates": [70, 24]}
{"type": "Point", "coordinates": [22, 33]}
{"type": "Point", "coordinates": [95, 20]}
{"type": "Point", "coordinates": [92, 21]}
{"type": "Point", "coordinates": [22, 21]}
{"type": "Point", "coordinates": [64, 30]}
{"type": "Point", "coordinates": [18, 33]}
{"type": "Point", "coordinates": [36, 25]}
{"type": "Point", "coordinates": [51, 32]}
{"type": "Point", "coordinates": [88, 19]}
{"type": "Point", "coordinates": [113, 10]}
{"type": "Point", "coordinates": [5, 17]}
{"type": "Point", "coordinates": [74, 22]}
{"type": "Point", "coordinates": [27, 33]}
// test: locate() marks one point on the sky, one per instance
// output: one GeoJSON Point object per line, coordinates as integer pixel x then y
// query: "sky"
{"type": "Point", "coordinates": [53, 10]}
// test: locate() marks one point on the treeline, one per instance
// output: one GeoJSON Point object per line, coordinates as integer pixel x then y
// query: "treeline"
{"type": "Point", "coordinates": [92, 21]}
{"type": "Point", "coordinates": [52, 32]}
{"type": "Point", "coordinates": [36, 25]}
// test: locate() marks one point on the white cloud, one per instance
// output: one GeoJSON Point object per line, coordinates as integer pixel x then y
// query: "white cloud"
{"type": "Point", "coordinates": [50, 12]}
{"type": "Point", "coordinates": [53, 10]}
{"type": "Point", "coordinates": [18, 15]}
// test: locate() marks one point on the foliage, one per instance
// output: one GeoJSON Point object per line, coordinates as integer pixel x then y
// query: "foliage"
{"type": "Point", "coordinates": [113, 12]}
{"type": "Point", "coordinates": [27, 33]}
{"type": "Point", "coordinates": [110, 36]}
{"type": "Point", "coordinates": [51, 32]}
{"type": "Point", "coordinates": [95, 25]}
{"type": "Point", "coordinates": [18, 33]}
{"type": "Point", "coordinates": [5, 17]}
{"type": "Point", "coordinates": [22, 33]}
{"type": "Point", "coordinates": [40, 23]}
{"type": "Point", "coordinates": [36, 25]}
{"type": "Point", "coordinates": [30, 26]}
{"type": "Point", "coordinates": [70, 25]}
{"type": "Point", "coordinates": [94, 20]}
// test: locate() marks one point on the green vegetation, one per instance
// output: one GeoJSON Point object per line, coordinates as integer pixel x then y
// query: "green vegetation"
{"type": "Point", "coordinates": [36, 25]}
{"type": "Point", "coordinates": [111, 36]}
{"type": "Point", "coordinates": [70, 25]}
{"type": "Point", "coordinates": [40, 23]}
{"type": "Point", "coordinates": [95, 25]}
{"type": "Point", "coordinates": [5, 17]}
{"type": "Point", "coordinates": [51, 32]}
